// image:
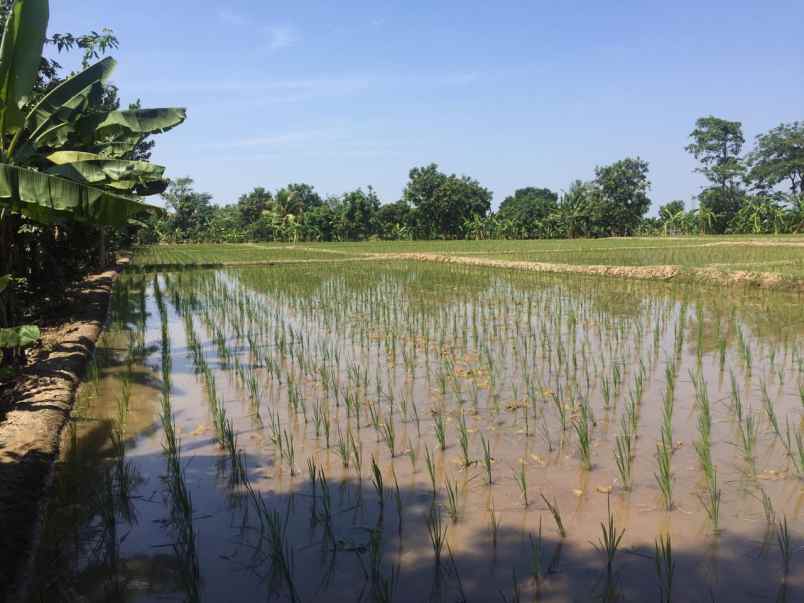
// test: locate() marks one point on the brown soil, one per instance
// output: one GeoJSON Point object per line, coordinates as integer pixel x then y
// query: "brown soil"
{"type": "Point", "coordinates": [40, 402]}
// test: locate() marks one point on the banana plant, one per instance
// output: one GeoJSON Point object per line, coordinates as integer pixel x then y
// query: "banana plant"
{"type": "Point", "coordinates": [62, 158]}
{"type": "Point", "coordinates": [19, 337]}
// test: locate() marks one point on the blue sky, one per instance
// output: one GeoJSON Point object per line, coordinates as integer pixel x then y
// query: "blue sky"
{"type": "Point", "coordinates": [347, 94]}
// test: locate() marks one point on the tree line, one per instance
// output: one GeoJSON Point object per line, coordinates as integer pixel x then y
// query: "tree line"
{"type": "Point", "coordinates": [759, 192]}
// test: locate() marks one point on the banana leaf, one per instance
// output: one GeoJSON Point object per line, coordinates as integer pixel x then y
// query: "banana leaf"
{"type": "Point", "coordinates": [20, 57]}
{"type": "Point", "coordinates": [19, 337]}
{"type": "Point", "coordinates": [140, 121]}
{"type": "Point", "coordinates": [111, 134]}
{"type": "Point", "coordinates": [48, 199]}
{"type": "Point", "coordinates": [66, 99]}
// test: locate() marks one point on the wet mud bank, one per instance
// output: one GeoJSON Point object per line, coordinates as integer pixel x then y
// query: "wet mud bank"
{"type": "Point", "coordinates": [30, 427]}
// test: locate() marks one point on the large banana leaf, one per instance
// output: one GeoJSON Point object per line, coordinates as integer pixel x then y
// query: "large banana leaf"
{"type": "Point", "coordinates": [140, 121]}
{"type": "Point", "coordinates": [58, 105]}
{"type": "Point", "coordinates": [138, 177]}
{"type": "Point", "coordinates": [20, 57]}
{"type": "Point", "coordinates": [111, 134]}
{"type": "Point", "coordinates": [48, 199]}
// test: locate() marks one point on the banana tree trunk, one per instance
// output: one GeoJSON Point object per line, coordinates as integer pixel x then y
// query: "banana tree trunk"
{"type": "Point", "coordinates": [102, 247]}
{"type": "Point", "coordinates": [9, 224]}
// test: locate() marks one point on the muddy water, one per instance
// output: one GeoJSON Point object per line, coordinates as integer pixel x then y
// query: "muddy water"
{"type": "Point", "coordinates": [385, 355]}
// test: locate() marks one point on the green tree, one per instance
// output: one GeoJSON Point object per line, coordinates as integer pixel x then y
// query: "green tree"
{"type": "Point", "coordinates": [192, 211]}
{"type": "Point", "coordinates": [528, 209]}
{"type": "Point", "coordinates": [622, 196]}
{"type": "Point", "coordinates": [717, 144]}
{"type": "Point", "coordinates": [579, 210]}
{"type": "Point", "coordinates": [443, 202]}
{"type": "Point", "coordinates": [779, 157]}
{"type": "Point", "coordinates": [251, 206]}
{"type": "Point", "coordinates": [395, 220]}
{"type": "Point", "coordinates": [760, 214]}
{"type": "Point", "coordinates": [224, 225]}
{"type": "Point", "coordinates": [296, 198]}
{"type": "Point", "coordinates": [356, 215]}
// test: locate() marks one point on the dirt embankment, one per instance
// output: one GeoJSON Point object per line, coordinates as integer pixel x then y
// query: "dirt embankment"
{"type": "Point", "coordinates": [30, 428]}
{"type": "Point", "coordinates": [765, 280]}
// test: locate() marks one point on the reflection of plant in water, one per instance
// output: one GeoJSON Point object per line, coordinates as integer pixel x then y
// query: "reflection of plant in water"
{"type": "Point", "coordinates": [609, 544]}
{"type": "Point", "coordinates": [437, 530]}
{"type": "Point", "coordinates": [665, 567]}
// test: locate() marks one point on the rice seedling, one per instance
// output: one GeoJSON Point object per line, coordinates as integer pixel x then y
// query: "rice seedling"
{"type": "Point", "coordinates": [440, 430]}
{"type": "Point", "coordinates": [377, 482]}
{"type": "Point", "coordinates": [325, 516]}
{"type": "Point", "coordinates": [623, 456]}
{"type": "Point", "coordinates": [123, 402]}
{"type": "Point", "coordinates": [554, 511]}
{"type": "Point", "coordinates": [416, 418]}
{"type": "Point", "coordinates": [767, 508]}
{"type": "Point", "coordinates": [412, 452]}
{"type": "Point", "coordinates": [356, 448]}
{"type": "Point", "coordinates": [431, 470]}
{"type": "Point", "coordinates": [536, 554]}
{"type": "Point", "coordinates": [606, 392]}
{"type": "Point", "coordinates": [494, 523]}
{"type": "Point", "coordinates": [290, 452]}
{"type": "Point", "coordinates": [312, 474]}
{"type": "Point", "coordinates": [561, 409]}
{"type": "Point", "coordinates": [343, 449]}
{"type": "Point", "coordinates": [583, 430]}
{"type": "Point", "coordinates": [487, 458]}
{"type": "Point", "coordinates": [327, 424]}
{"type": "Point", "coordinates": [664, 477]}
{"type": "Point", "coordinates": [785, 545]}
{"type": "Point", "coordinates": [521, 479]}
{"type": "Point", "coordinates": [280, 552]}
{"type": "Point", "coordinates": [665, 567]}
{"type": "Point", "coordinates": [748, 437]}
{"type": "Point", "coordinates": [711, 499]}
{"type": "Point", "coordinates": [397, 499]}
{"type": "Point", "coordinates": [318, 418]}
{"type": "Point", "coordinates": [609, 542]}
{"type": "Point", "coordinates": [389, 433]}
{"type": "Point", "coordinates": [453, 498]}
{"type": "Point", "coordinates": [463, 440]}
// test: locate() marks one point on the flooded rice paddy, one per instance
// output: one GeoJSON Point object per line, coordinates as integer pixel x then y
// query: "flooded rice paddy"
{"type": "Point", "coordinates": [410, 432]}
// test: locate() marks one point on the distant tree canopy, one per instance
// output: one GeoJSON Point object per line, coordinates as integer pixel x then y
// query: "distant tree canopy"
{"type": "Point", "coordinates": [444, 203]}
{"type": "Point", "coordinates": [757, 192]}
{"type": "Point", "coordinates": [529, 208]}
{"type": "Point", "coordinates": [717, 144]}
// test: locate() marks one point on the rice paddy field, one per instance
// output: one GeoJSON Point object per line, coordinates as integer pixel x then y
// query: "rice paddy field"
{"type": "Point", "coordinates": [781, 256]}
{"type": "Point", "coordinates": [327, 428]}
